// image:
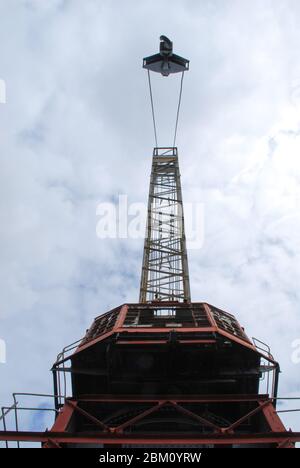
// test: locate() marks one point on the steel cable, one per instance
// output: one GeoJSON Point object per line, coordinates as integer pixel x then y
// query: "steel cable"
{"type": "Point", "coordinates": [153, 113]}
{"type": "Point", "coordinates": [178, 109]}
{"type": "Point", "coordinates": [152, 107]}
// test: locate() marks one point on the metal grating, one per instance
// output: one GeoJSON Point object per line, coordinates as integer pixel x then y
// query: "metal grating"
{"type": "Point", "coordinates": [228, 323]}
{"type": "Point", "coordinates": [172, 316]}
{"type": "Point", "coordinates": [103, 324]}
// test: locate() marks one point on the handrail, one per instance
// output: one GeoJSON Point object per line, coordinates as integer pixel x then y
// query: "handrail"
{"type": "Point", "coordinates": [5, 410]}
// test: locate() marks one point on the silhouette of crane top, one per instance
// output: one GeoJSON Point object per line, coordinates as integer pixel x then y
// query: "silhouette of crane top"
{"type": "Point", "coordinates": [166, 62]}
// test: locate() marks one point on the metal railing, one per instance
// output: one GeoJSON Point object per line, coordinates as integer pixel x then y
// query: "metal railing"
{"type": "Point", "coordinates": [15, 409]}
{"type": "Point", "coordinates": [269, 369]}
{"type": "Point", "coordinates": [59, 371]}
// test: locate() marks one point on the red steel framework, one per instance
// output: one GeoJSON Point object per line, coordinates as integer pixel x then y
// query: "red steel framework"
{"type": "Point", "coordinates": [164, 374]}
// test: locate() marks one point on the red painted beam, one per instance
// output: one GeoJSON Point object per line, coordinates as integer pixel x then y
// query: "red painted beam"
{"type": "Point", "coordinates": [175, 398]}
{"type": "Point", "coordinates": [64, 417]}
{"type": "Point", "coordinates": [170, 439]}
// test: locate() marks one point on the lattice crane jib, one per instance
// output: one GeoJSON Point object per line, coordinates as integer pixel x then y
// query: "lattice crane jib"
{"type": "Point", "coordinates": [165, 275]}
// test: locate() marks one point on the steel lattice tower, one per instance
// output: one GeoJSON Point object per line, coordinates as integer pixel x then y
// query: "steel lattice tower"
{"type": "Point", "coordinates": [165, 275]}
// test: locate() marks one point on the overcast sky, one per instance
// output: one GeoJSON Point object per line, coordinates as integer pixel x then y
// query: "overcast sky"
{"type": "Point", "coordinates": [76, 131]}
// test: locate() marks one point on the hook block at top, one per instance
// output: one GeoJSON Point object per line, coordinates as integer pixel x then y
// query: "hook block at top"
{"type": "Point", "coordinates": [166, 62]}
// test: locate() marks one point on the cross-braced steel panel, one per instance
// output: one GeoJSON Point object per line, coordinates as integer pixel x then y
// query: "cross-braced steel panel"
{"type": "Point", "coordinates": [165, 275]}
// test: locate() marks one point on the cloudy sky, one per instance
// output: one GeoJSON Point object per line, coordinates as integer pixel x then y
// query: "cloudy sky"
{"type": "Point", "coordinates": [76, 131]}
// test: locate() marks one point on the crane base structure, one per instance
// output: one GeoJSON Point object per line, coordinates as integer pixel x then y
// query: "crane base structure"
{"type": "Point", "coordinates": [164, 374]}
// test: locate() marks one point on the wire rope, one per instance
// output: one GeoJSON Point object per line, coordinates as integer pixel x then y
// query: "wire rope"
{"type": "Point", "coordinates": [178, 109]}
{"type": "Point", "coordinates": [152, 107]}
{"type": "Point", "coordinates": [153, 113]}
